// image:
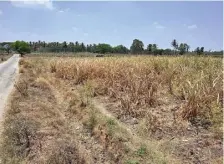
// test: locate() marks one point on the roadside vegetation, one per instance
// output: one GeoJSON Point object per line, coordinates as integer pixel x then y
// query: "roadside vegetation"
{"type": "Point", "coordinates": [137, 47]}
{"type": "Point", "coordinates": [139, 109]}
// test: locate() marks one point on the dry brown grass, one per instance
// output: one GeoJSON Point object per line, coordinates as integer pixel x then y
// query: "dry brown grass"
{"type": "Point", "coordinates": [161, 94]}
{"type": "Point", "coordinates": [136, 82]}
{"type": "Point", "coordinates": [192, 84]}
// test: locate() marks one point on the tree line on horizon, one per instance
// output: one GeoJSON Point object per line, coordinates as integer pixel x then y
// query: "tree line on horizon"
{"type": "Point", "coordinates": [137, 47]}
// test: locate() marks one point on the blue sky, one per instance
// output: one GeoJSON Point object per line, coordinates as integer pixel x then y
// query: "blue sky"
{"type": "Point", "coordinates": [196, 23]}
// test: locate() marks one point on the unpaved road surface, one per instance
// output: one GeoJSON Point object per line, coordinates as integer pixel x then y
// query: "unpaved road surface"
{"type": "Point", "coordinates": [8, 71]}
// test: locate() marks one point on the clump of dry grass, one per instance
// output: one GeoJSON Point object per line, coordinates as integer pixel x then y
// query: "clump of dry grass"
{"type": "Point", "coordinates": [18, 137]}
{"type": "Point", "coordinates": [65, 151]}
{"type": "Point", "coordinates": [41, 83]}
{"type": "Point", "coordinates": [22, 87]}
{"type": "Point", "coordinates": [200, 85]}
{"type": "Point", "coordinates": [21, 70]}
{"type": "Point", "coordinates": [53, 67]}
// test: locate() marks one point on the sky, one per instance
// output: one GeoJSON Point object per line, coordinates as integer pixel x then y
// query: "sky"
{"type": "Point", "coordinates": [195, 23]}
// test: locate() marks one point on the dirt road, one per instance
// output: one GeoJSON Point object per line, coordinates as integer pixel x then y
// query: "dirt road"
{"type": "Point", "coordinates": [8, 71]}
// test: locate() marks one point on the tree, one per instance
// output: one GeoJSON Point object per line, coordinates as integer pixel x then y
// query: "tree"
{"type": "Point", "coordinates": [197, 50]}
{"type": "Point", "coordinates": [64, 46]}
{"type": "Point", "coordinates": [103, 48]}
{"type": "Point", "coordinates": [88, 48]}
{"type": "Point", "coordinates": [137, 47]}
{"type": "Point", "coordinates": [154, 49]}
{"type": "Point", "coordinates": [149, 48]}
{"type": "Point", "coordinates": [175, 45]}
{"type": "Point", "coordinates": [187, 47]}
{"type": "Point", "coordinates": [120, 49]}
{"type": "Point", "coordinates": [71, 46]}
{"type": "Point", "coordinates": [167, 51]}
{"type": "Point", "coordinates": [6, 47]}
{"type": "Point", "coordinates": [159, 51]}
{"type": "Point", "coordinates": [77, 47]}
{"type": "Point", "coordinates": [83, 47]}
{"type": "Point", "coordinates": [44, 44]}
{"type": "Point", "coordinates": [182, 48]}
{"type": "Point", "coordinates": [21, 47]}
{"type": "Point", "coordinates": [94, 48]}
{"type": "Point", "coordinates": [30, 43]}
{"type": "Point", "coordinates": [202, 50]}
{"type": "Point", "coordinates": [35, 47]}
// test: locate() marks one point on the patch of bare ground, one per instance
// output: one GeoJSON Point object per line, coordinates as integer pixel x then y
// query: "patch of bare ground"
{"type": "Point", "coordinates": [115, 110]}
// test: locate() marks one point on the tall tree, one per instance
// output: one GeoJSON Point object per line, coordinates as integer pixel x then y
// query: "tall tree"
{"type": "Point", "coordinates": [71, 46]}
{"type": "Point", "coordinates": [103, 48]}
{"type": "Point", "coordinates": [44, 44]}
{"type": "Point", "coordinates": [187, 47]}
{"type": "Point", "coordinates": [94, 48]}
{"type": "Point", "coordinates": [198, 51]}
{"type": "Point", "coordinates": [167, 51]}
{"type": "Point", "coordinates": [149, 48]}
{"type": "Point", "coordinates": [154, 49]}
{"type": "Point", "coordinates": [137, 47]}
{"type": "Point", "coordinates": [202, 50]}
{"type": "Point", "coordinates": [6, 47]}
{"type": "Point", "coordinates": [83, 47]}
{"type": "Point", "coordinates": [120, 49]}
{"type": "Point", "coordinates": [182, 48]}
{"type": "Point", "coordinates": [175, 45]}
{"type": "Point", "coordinates": [21, 47]}
{"type": "Point", "coordinates": [64, 46]}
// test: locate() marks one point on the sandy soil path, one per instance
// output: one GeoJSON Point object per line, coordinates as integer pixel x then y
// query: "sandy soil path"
{"type": "Point", "coordinates": [8, 71]}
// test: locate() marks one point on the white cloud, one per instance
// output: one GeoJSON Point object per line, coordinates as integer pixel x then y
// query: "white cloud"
{"type": "Point", "coordinates": [158, 26]}
{"type": "Point", "coordinates": [74, 28]}
{"type": "Point", "coordinates": [194, 26]}
{"type": "Point", "coordinates": [62, 11]}
{"type": "Point", "coordinates": [34, 3]}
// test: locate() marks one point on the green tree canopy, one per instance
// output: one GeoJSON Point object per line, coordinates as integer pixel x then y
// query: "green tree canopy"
{"type": "Point", "coordinates": [149, 49]}
{"type": "Point", "coordinates": [137, 47]}
{"type": "Point", "coordinates": [167, 51]}
{"type": "Point", "coordinates": [103, 48]}
{"type": "Point", "coordinates": [199, 50]}
{"type": "Point", "coordinates": [21, 47]}
{"type": "Point", "coordinates": [6, 47]}
{"type": "Point", "coordinates": [174, 44]}
{"type": "Point", "coordinates": [120, 49]}
{"type": "Point", "coordinates": [155, 49]}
